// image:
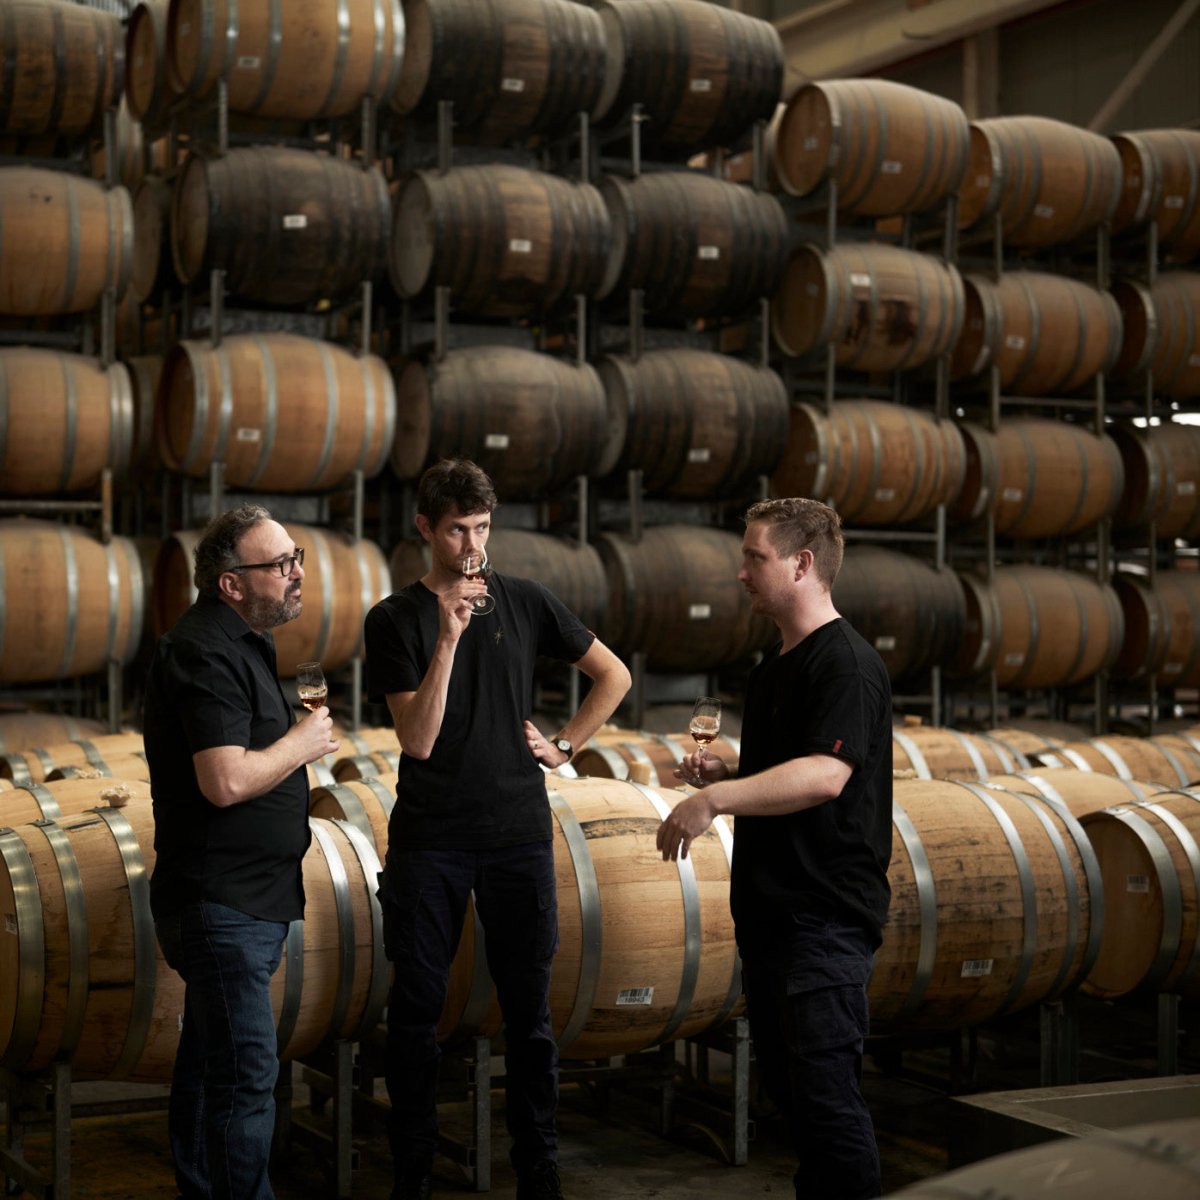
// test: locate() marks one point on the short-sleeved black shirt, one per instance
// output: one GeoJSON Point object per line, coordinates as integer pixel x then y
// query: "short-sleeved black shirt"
{"type": "Point", "coordinates": [212, 683]}
{"type": "Point", "coordinates": [480, 787]}
{"type": "Point", "coordinates": [828, 695]}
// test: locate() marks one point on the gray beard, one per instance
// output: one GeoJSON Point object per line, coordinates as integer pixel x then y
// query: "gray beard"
{"type": "Point", "coordinates": [262, 613]}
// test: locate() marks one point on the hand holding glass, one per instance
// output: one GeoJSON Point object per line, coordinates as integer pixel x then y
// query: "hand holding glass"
{"type": "Point", "coordinates": [705, 723]}
{"type": "Point", "coordinates": [311, 685]}
{"type": "Point", "coordinates": [475, 566]}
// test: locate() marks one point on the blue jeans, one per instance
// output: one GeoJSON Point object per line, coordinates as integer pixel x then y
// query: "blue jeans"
{"type": "Point", "coordinates": [424, 895]}
{"type": "Point", "coordinates": [222, 1107]}
{"type": "Point", "coordinates": [807, 1004]}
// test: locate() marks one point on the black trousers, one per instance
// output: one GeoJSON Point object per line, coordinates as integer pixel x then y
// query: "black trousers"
{"type": "Point", "coordinates": [807, 1004]}
{"type": "Point", "coordinates": [424, 895]}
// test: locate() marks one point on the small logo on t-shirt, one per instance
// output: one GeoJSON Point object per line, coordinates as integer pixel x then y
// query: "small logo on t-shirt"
{"type": "Point", "coordinates": [837, 745]}
{"type": "Point", "coordinates": [498, 634]}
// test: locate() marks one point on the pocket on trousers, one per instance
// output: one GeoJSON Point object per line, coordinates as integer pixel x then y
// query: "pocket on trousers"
{"type": "Point", "coordinates": [400, 901]}
{"type": "Point", "coordinates": [825, 1018]}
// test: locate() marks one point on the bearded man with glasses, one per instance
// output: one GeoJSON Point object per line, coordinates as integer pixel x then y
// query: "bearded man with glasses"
{"type": "Point", "coordinates": [227, 764]}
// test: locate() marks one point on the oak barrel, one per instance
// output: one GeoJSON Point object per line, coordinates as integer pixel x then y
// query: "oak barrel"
{"type": "Point", "coordinates": [62, 65]}
{"type": "Point", "coordinates": [702, 74]}
{"type": "Point", "coordinates": [64, 418]}
{"type": "Point", "coordinates": [675, 596]}
{"type": "Point", "coordinates": [995, 906]}
{"type": "Point", "coordinates": [281, 412]}
{"type": "Point", "coordinates": [532, 421]}
{"type": "Point", "coordinates": [621, 753]}
{"type": "Point", "coordinates": [910, 612]}
{"type": "Point", "coordinates": [877, 463]}
{"type": "Point", "coordinates": [23, 730]}
{"type": "Point", "coordinates": [510, 67]}
{"type": "Point", "coordinates": [343, 578]}
{"type": "Point", "coordinates": [1049, 182]}
{"type": "Point", "coordinates": [34, 763]}
{"type": "Point", "coordinates": [1161, 332]}
{"type": "Point", "coordinates": [1160, 171]}
{"type": "Point", "coordinates": [882, 308]}
{"type": "Point", "coordinates": [1129, 758]}
{"type": "Point", "coordinates": [1079, 791]}
{"type": "Point", "coordinates": [63, 241]}
{"type": "Point", "coordinates": [889, 148]}
{"type": "Point", "coordinates": [1038, 477]}
{"type": "Point", "coordinates": [1162, 478]}
{"type": "Point", "coordinates": [939, 752]}
{"type": "Point", "coordinates": [1039, 627]}
{"type": "Point", "coordinates": [68, 603]}
{"type": "Point", "coordinates": [152, 268]}
{"type": "Point", "coordinates": [1162, 628]}
{"type": "Point", "coordinates": [286, 226]}
{"type": "Point", "coordinates": [1045, 334]}
{"type": "Point", "coordinates": [696, 424]}
{"type": "Point", "coordinates": [694, 245]}
{"type": "Point", "coordinates": [148, 89]}
{"type": "Point", "coordinates": [300, 60]}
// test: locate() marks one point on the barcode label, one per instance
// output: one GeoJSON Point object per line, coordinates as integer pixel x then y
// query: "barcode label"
{"type": "Point", "coordinates": [700, 85]}
{"type": "Point", "coordinates": [1043, 210]}
{"type": "Point", "coordinates": [1172, 202]}
{"type": "Point", "coordinates": [1014, 658]}
{"type": "Point", "coordinates": [699, 612]}
{"type": "Point", "coordinates": [642, 995]}
{"type": "Point", "coordinates": [890, 167]}
{"type": "Point", "coordinates": [294, 220]}
{"type": "Point", "coordinates": [249, 62]}
{"type": "Point", "coordinates": [1172, 668]}
{"type": "Point", "coordinates": [699, 454]}
{"type": "Point", "coordinates": [709, 252]}
{"type": "Point", "coordinates": [1011, 494]}
{"type": "Point", "coordinates": [859, 279]}
{"type": "Point", "coordinates": [245, 434]}
{"type": "Point", "coordinates": [512, 85]}
{"type": "Point", "coordinates": [976, 968]}
{"type": "Point", "coordinates": [885, 642]}
{"type": "Point", "coordinates": [496, 441]}
{"type": "Point", "coordinates": [1014, 341]}
{"type": "Point", "coordinates": [885, 494]}
{"type": "Point", "coordinates": [810, 143]}
{"type": "Point", "coordinates": [520, 245]}
{"type": "Point", "coordinates": [1186, 487]}
{"type": "Point", "coordinates": [10, 923]}
{"type": "Point", "coordinates": [1137, 883]}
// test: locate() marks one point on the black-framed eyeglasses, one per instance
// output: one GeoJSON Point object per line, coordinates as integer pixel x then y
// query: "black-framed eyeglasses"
{"type": "Point", "coordinates": [285, 566]}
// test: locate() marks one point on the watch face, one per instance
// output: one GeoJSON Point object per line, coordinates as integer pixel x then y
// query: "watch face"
{"type": "Point", "coordinates": [563, 746]}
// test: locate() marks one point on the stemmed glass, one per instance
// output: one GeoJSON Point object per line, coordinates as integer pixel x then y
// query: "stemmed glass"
{"type": "Point", "coordinates": [706, 722]}
{"type": "Point", "coordinates": [475, 566]}
{"type": "Point", "coordinates": [311, 685]}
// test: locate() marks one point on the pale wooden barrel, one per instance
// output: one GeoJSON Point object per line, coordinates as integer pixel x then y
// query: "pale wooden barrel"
{"type": "Point", "coordinates": [33, 764]}
{"type": "Point", "coordinates": [23, 730]}
{"type": "Point", "coordinates": [694, 245]}
{"type": "Point", "coordinates": [877, 463]}
{"type": "Point", "coordinates": [532, 421]}
{"type": "Point", "coordinates": [366, 803]}
{"type": "Point", "coordinates": [1150, 862]}
{"type": "Point", "coordinates": [939, 752]}
{"type": "Point", "coordinates": [573, 571]}
{"type": "Point", "coordinates": [282, 412]}
{"type": "Point", "coordinates": [68, 603]}
{"type": "Point", "coordinates": [1049, 182]}
{"type": "Point", "coordinates": [1162, 629]}
{"type": "Point", "coordinates": [129, 151]}
{"type": "Point", "coordinates": [63, 241]}
{"type": "Point", "coordinates": [511, 68]}
{"type": "Point", "coordinates": [675, 596]}
{"type": "Point", "coordinates": [1161, 176]}
{"type": "Point", "coordinates": [702, 73]}
{"type": "Point", "coordinates": [1162, 479]}
{"type": "Point", "coordinates": [298, 60]}
{"type": "Point", "coordinates": [1081, 792]}
{"type": "Point", "coordinates": [1045, 334]}
{"type": "Point", "coordinates": [995, 906]}
{"type": "Point", "coordinates": [53, 799]}
{"type": "Point", "coordinates": [888, 147]}
{"type": "Point", "coordinates": [343, 578]}
{"type": "Point", "coordinates": [696, 424]}
{"type": "Point", "coordinates": [882, 308]}
{"type": "Point", "coordinates": [624, 753]}
{"type": "Point", "coordinates": [286, 226]}
{"type": "Point", "coordinates": [1029, 740]}
{"type": "Point", "coordinates": [147, 84]}
{"type": "Point", "coordinates": [1129, 758]}
{"type": "Point", "coordinates": [127, 766]}
{"type": "Point", "coordinates": [1039, 627]}
{"type": "Point", "coordinates": [911, 612]}
{"type": "Point", "coordinates": [1161, 332]}
{"type": "Point", "coordinates": [373, 765]}
{"type": "Point", "coordinates": [64, 418]}
{"type": "Point", "coordinates": [62, 67]}
{"type": "Point", "coordinates": [1038, 477]}
{"type": "Point", "coordinates": [506, 241]}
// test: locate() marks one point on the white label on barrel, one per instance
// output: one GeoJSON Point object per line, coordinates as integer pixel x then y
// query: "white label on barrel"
{"type": "Point", "coordinates": [1014, 341]}
{"type": "Point", "coordinates": [1172, 668]}
{"type": "Point", "coordinates": [1014, 658]}
{"type": "Point", "coordinates": [1043, 210]}
{"type": "Point", "coordinates": [10, 923]}
{"type": "Point", "coordinates": [858, 279]}
{"type": "Point", "coordinates": [1137, 883]}
{"type": "Point", "coordinates": [181, 1022]}
{"type": "Point", "coordinates": [708, 252]}
{"type": "Point", "coordinates": [642, 995]}
{"type": "Point", "coordinates": [245, 434]}
{"type": "Point", "coordinates": [811, 289]}
{"type": "Point", "coordinates": [1186, 487]}
{"type": "Point", "coordinates": [885, 642]}
{"type": "Point", "coordinates": [885, 494]}
{"type": "Point", "coordinates": [700, 85]}
{"type": "Point", "coordinates": [983, 181]}
{"type": "Point", "coordinates": [699, 612]}
{"type": "Point", "coordinates": [496, 441]}
{"type": "Point", "coordinates": [976, 968]}
{"type": "Point", "coordinates": [699, 454]}
{"type": "Point", "coordinates": [810, 143]}
{"type": "Point", "coordinates": [1172, 202]}
{"type": "Point", "coordinates": [889, 166]}
{"type": "Point", "coordinates": [1011, 494]}
{"type": "Point", "coordinates": [520, 245]}
{"type": "Point", "coordinates": [512, 85]}
{"type": "Point", "coordinates": [185, 27]}
{"type": "Point", "coordinates": [249, 62]}
{"type": "Point", "coordinates": [811, 457]}
{"type": "Point", "coordinates": [295, 220]}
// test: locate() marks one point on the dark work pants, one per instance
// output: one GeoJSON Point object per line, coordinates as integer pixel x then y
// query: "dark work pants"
{"type": "Point", "coordinates": [424, 895]}
{"type": "Point", "coordinates": [807, 1004]}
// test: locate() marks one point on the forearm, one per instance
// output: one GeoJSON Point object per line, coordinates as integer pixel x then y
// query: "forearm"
{"type": "Point", "coordinates": [610, 682]}
{"type": "Point", "coordinates": [229, 775]}
{"type": "Point", "coordinates": [418, 721]}
{"type": "Point", "coordinates": [790, 787]}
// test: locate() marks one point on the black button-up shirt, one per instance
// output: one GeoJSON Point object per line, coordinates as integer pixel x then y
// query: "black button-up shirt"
{"type": "Point", "coordinates": [212, 683]}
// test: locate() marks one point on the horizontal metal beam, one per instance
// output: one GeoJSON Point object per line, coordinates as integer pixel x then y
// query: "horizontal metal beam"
{"type": "Point", "coordinates": [854, 37]}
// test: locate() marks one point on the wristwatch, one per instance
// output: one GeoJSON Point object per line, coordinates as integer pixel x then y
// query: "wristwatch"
{"type": "Point", "coordinates": [564, 747]}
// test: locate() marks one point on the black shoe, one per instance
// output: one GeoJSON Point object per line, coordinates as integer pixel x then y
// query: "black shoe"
{"type": "Point", "coordinates": [413, 1187]}
{"type": "Point", "coordinates": [540, 1182]}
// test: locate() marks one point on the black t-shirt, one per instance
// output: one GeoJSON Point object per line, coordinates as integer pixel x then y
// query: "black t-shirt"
{"type": "Point", "coordinates": [212, 683]}
{"type": "Point", "coordinates": [480, 786]}
{"type": "Point", "coordinates": [828, 695]}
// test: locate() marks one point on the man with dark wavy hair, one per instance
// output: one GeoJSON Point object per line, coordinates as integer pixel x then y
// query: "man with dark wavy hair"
{"type": "Point", "coordinates": [812, 841]}
{"type": "Point", "coordinates": [227, 771]}
{"type": "Point", "coordinates": [472, 817]}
